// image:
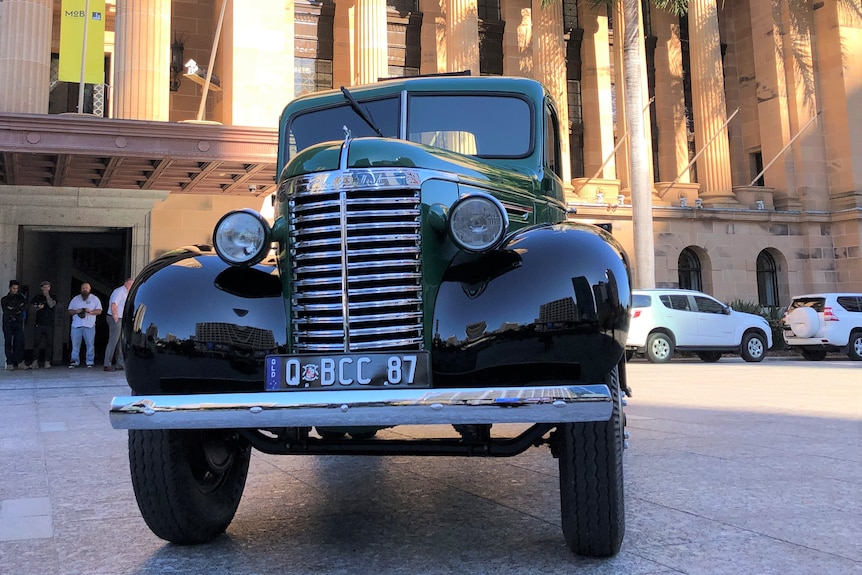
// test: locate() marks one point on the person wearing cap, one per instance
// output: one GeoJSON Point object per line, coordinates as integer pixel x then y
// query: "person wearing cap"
{"type": "Point", "coordinates": [14, 305]}
{"type": "Point", "coordinates": [43, 304]}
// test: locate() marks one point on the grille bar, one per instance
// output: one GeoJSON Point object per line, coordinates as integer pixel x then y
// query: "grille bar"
{"type": "Point", "coordinates": [356, 280]}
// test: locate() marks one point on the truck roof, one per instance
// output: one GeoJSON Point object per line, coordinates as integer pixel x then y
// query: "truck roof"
{"type": "Point", "coordinates": [427, 84]}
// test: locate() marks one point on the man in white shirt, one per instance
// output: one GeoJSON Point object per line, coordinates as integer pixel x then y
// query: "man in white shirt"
{"type": "Point", "coordinates": [84, 308]}
{"type": "Point", "coordinates": [114, 352]}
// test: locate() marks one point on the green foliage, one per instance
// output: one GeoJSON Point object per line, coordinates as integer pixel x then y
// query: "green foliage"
{"type": "Point", "coordinates": [746, 306]}
{"type": "Point", "coordinates": [676, 7]}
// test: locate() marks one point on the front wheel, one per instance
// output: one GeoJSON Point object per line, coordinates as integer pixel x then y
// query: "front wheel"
{"type": "Point", "coordinates": [854, 348]}
{"type": "Point", "coordinates": [591, 480]}
{"type": "Point", "coordinates": [188, 483]}
{"type": "Point", "coordinates": [753, 347]}
{"type": "Point", "coordinates": [659, 348]}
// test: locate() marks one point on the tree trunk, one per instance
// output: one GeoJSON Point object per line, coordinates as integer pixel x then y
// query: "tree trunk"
{"type": "Point", "coordinates": [644, 243]}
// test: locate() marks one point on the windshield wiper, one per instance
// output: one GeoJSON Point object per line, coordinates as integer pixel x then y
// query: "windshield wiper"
{"type": "Point", "coordinates": [360, 112]}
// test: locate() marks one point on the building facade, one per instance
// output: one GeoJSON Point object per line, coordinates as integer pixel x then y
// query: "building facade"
{"type": "Point", "coordinates": [753, 115]}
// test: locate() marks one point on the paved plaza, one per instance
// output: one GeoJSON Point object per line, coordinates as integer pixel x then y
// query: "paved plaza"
{"type": "Point", "coordinates": [732, 468]}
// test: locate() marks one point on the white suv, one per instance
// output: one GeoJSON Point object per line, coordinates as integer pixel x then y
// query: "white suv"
{"type": "Point", "coordinates": [818, 323]}
{"type": "Point", "coordinates": [664, 320]}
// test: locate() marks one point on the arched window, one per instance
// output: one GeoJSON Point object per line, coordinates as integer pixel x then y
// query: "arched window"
{"type": "Point", "coordinates": [689, 270]}
{"type": "Point", "coordinates": [767, 280]}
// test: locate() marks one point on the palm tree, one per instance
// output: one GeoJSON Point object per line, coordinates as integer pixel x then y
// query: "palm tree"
{"type": "Point", "coordinates": [641, 186]}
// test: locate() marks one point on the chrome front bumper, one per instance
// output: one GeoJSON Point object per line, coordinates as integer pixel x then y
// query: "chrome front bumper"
{"type": "Point", "coordinates": [372, 407]}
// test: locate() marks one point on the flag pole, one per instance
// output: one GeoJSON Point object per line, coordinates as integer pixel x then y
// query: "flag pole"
{"type": "Point", "coordinates": [206, 88]}
{"type": "Point", "coordinates": [83, 58]}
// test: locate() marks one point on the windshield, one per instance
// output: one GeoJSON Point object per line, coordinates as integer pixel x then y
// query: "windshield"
{"type": "Point", "coordinates": [486, 126]}
{"type": "Point", "coordinates": [482, 125]}
{"type": "Point", "coordinates": [325, 125]}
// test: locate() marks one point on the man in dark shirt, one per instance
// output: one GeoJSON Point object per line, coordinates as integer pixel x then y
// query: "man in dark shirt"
{"type": "Point", "coordinates": [43, 303]}
{"type": "Point", "coordinates": [13, 305]}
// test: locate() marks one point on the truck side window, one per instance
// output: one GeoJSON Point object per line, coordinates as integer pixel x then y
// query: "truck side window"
{"type": "Point", "coordinates": [552, 141]}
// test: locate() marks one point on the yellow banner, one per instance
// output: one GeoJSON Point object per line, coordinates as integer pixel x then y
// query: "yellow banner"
{"type": "Point", "coordinates": [72, 18]}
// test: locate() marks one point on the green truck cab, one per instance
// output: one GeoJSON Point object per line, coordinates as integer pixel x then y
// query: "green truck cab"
{"type": "Point", "coordinates": [420, 270]}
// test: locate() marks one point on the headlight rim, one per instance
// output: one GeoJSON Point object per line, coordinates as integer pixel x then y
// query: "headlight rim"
{"type": "Point", "coordinates": [504, 217]}
{"type": "Point", "coordinates": [260, 255]}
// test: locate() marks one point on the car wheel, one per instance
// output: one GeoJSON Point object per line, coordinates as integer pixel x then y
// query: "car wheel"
{"type": "Point", "coordinates": [659, 348]}
{"type": "Point", "coordinates": [854, 348]}
{"type": "Point", "coordinates": [591, 480]}
{"type": "Point", "coordinates": [188, 483]}
{"type": "Point", "coordinates": [804, 322]}
{"type": "Point", "coordinates": [753, 347]}
{"type": "Point", "coordinates": [709, 356]}
{"type": "Point", "coordinates": [814, 354]}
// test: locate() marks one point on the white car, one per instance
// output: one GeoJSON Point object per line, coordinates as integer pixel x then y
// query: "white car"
{"type": "Point", "coordinates": [819, 323]}
{"type": "Point", "coordinates": [667, 320]}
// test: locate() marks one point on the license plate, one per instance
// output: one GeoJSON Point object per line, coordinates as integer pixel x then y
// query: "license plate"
{"type": "Point", "coordinates": [346, 371]}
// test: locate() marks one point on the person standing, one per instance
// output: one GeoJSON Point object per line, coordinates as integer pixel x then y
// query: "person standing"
{"type": "Point", "coordinates": [43, 334]}
{"type": "Point", "coordinates": [84, 308]}
{"type": "Point", "coordinates": [14, 304]}
{"type": "Point", "coordinates": [113, 351]}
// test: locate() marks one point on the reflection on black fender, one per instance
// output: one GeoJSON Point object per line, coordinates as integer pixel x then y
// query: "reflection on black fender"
{"type": "Point", "coordinates": [550, 304]}
{"type": "Point", "coordinates": [196, 324]}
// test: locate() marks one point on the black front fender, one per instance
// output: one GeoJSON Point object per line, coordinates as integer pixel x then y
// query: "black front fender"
{"type": "Point", "coordinates": [194, 324]}
{"type": "Point", "coordinates": [552, 304]}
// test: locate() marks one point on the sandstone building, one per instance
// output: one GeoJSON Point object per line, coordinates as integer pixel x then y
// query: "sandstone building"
{"type": "Point", "coordinates": [766, 95]}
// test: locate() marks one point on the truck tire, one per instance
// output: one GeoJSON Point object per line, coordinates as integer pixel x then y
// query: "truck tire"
{"type": "Point", "coordinates": [188, 483]}
{"type": "Point", "coordinates": [854, 346]}
{"type": "Point", "coordinates": [659, 348]}
{"type": "Point", "coordinates": [753, 346]}
{"type": "Point", "coordinates": [591, 480]}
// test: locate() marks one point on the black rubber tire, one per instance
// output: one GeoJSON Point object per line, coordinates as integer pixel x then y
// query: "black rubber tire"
{"type": "Point", "coordinates": [188, 483]}
{"type": "Point", "coordinates": [814, 354]}
{"type": "Point", "coordinates": [854, 347]}
{"type": "Point", "coordinates": [709, 356]}
{"type": "Point", "coordinates": [591, 480]}
{"type": "Point", "coordinates": [753, 346]}
{"type": "Point", "coordinates": [659, 348]}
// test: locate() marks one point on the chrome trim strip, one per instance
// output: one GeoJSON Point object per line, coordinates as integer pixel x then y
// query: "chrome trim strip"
{"type": "Point", "coordinates": [364, 407]}
{"type": "Point", "coordinates": [402, 128]}
{"type": "Point", "coordinates": [345, 268]}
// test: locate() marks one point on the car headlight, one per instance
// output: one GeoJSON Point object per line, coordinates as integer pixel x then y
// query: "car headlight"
{"type": "Point", "coordinates": [477, 223]}
{"type": "Point", "coordinates": [242, 238]}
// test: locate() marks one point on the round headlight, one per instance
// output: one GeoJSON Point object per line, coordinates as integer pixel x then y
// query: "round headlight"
{"type": "Point", "coordinates": [242, 238]}
{"type": "Point", "coordinates": [477, 223]}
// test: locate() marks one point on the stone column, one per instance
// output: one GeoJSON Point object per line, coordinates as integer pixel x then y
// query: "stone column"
{"type": "Point", "coordinates": [670, 98]}
{"type": "Point", "coordinates": [256, 55]}
{"type": "Point", "coordinates": [623, 160]}
{"type": "Point", "coordinates": [372, 43]}
{"type": "Point", "coordinates": [462, 36]}
{"type": "Point", "coordinates": [549, 57]}
{"type": "Point", "coordinates": [710, 108]}
{"type": "Point", "coordinates": [596, 93]}
{"type": "Point", "coordinates": [142, 60]}
{"type": "Point", "coordinates": [25, 55]}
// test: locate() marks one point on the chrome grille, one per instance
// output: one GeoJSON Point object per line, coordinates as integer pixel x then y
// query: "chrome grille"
{"type": "Point", "coordinates": [356, 279]}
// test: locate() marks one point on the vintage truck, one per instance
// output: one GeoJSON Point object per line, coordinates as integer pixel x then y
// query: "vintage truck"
{"type": "Point", "coordinates": [420, 269]}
